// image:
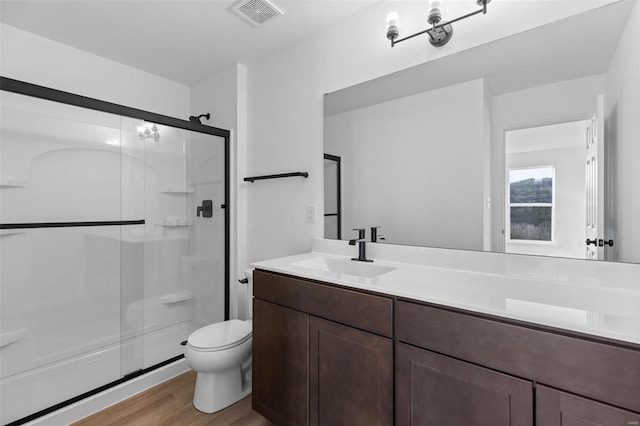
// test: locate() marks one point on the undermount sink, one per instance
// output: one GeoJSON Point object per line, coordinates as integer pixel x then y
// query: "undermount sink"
{"type": "Point", "coordinates": [348, 267]}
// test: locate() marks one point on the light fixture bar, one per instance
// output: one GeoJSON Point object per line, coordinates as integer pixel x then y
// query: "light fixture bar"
{"type": "Point", "coordinates": [442, 25]}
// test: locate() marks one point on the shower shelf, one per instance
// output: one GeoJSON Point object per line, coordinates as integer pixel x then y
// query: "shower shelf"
{"type": "Point", "coordinates": [179, 296]}
{"type": "Point", "coordinates": [10, 182]}
{"type": "Point", "coordinates": [176, 190]}
{"type": "Point", "coordinates": [175, 223]}
{"type": "Point", "coordinates": [10, 337]}
{"type": "Point", "coordinates": [207, 182]}
{"type": "Point", "coordinates": [9, 232]}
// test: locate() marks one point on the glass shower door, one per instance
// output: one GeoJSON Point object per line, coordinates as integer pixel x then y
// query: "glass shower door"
{"type": "Point", "coordinates": [113, 247]}
{"type": "Point", "coordinates": [180, 251]}
{"type": "Point", "coordinates": [60, 210]}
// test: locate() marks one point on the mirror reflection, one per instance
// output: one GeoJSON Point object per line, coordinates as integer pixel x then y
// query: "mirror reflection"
{"type": "Point", "coordinates": [524, 145]}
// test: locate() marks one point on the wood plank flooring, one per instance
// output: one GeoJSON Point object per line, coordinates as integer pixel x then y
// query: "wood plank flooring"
{"type": "Point", "coordinates": [171, 403]}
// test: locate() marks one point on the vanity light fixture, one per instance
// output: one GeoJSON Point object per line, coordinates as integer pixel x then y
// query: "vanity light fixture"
{"type": "Point", "coordinates": [148, 131]}
{"type": "Point", "coordinates": [440, 32]}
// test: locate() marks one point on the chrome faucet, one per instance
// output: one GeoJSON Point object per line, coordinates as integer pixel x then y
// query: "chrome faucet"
{"type": "Point", "coordinates": [361, 240]}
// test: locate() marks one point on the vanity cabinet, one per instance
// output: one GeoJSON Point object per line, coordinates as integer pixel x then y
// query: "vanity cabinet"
{"type": "Point", "coordinates": [557, 408]}
{"type": "Point", "coordinates": [496, 369]}
{"type": "Point", "coordinates": [281, 361]}
{"type": "Point", "coordinates": [322, 355]}
{"type": "Point", "coordinates": [327, 355]}
{"type": "Point", "coordinates": [351, 376]}
{"type": "Point", "coordinates": [438, 390]}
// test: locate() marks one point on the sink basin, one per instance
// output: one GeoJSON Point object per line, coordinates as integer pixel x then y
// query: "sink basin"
{"type": "Point", "coordinates": [348, 267]}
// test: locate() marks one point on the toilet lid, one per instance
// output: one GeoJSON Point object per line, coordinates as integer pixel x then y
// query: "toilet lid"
{"type": "Point", "coordinates": [220, 335]}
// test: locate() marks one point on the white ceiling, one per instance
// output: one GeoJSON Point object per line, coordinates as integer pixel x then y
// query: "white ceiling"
{"type": "Point", "coordinates": [184, 41]}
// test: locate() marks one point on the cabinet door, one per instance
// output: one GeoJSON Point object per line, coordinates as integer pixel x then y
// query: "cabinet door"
{"type": "Point", "coordinates": [280, 363]}
{"type": "Point", "coordinates": [435, 390]}
{"type": "Point", "coordinates": [556, 408]}
{"type": "Point", "coordinates": [351, 376]}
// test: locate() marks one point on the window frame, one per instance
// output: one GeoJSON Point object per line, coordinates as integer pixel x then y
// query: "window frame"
{"type": "Point", "coordinates": [509, 205]}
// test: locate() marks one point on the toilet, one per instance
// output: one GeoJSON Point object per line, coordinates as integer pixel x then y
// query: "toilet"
{"type": "Point", "coordinates": [221, 355]}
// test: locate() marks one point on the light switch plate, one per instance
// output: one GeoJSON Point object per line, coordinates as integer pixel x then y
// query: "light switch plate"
{"type": "Point", "coordinates": [311, 214]}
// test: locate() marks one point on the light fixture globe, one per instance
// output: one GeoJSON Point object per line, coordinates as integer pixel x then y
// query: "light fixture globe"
{"type": "Point", "coordinates": [435, 15]}
{"type": "Point", "coordinates": [393, 30]}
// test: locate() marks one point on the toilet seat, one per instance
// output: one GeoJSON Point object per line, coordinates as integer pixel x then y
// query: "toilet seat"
{"type": "Point", "coordinates": [220, 336]}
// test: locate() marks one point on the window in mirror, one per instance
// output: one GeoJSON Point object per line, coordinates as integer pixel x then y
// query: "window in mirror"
{"type": "Point", "coordinates": [530, 195]}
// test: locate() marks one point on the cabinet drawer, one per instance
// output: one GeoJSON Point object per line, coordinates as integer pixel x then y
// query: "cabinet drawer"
{"type": "Point", "coordinates": [601, 371]}
{"type": "Point", "coordinates": [557, 408]}
{"type": "Point", "coordinates": [361, 310]}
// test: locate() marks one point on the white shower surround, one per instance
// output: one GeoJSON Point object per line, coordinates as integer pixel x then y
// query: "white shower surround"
{"type": "Point", "coordinates": [79, 370]}
{"type": "Point", "coordinates": [84, 306]}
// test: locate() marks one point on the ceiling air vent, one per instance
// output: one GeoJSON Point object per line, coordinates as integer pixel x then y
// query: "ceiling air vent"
{"type": "Point", "coordinates": [256, 12]}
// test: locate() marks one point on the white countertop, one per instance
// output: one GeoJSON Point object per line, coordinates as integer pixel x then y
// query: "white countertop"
{"type": "Point", "coordinates": [591, 306]}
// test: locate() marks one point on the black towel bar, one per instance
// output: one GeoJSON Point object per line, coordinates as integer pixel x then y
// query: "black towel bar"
{"type": "Point", "coordinates": [70, 224]}
{"type": "Point", "coordinates": [281, 175]}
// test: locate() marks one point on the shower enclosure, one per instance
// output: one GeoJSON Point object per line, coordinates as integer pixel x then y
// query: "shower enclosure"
{"type": "Point", "coordinates": [114, 243]}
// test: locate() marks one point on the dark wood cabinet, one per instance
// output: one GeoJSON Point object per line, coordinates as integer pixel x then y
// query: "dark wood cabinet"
{"type": "Point", "coordinates": [582, 365]}
{"type": "Point", "coordinates": [329, 371]}
{"type": "Point", "coordinates": [351, 376]}
{"type": "Point", "coordinates": [557, 408]}
{"type": "Point", "coordinates": [464, 365]}
{"type": "Point", "coordinates": [280, 363]}
{"type": "Point", "coordinates": [435, 390]}
{"type": "Point", "coordinates": [326, 355]}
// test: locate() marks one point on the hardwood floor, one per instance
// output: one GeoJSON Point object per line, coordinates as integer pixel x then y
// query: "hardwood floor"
{"type": "Point", "coordinates": [170, 403]}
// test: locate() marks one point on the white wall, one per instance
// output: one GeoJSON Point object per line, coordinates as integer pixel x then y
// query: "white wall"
{"type": "Point", "coordinates": [623, 136]}
{"type": "Point", "coordinates": [34, 59]}
{"type": "Point", "coordinates": [285, 135]}
{"type": "Point", "coordinates": [487, 205]}
{"type": "Point", "coordinates": [218, 95]}
{"type": "Point", "coordinates": [224, 96]}
{"type": "Point", "coordinates": [551, 103]}
{"type": "Point", "coordinates": [286, 89]}
{"type": "Point", "coordinates": [416, 141]}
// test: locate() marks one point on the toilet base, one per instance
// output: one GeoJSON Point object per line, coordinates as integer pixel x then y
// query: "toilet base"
{"type": "Point", "coordinates": [217, 391]}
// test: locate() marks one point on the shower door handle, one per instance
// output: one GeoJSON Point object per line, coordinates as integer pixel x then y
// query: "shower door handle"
{"type": "Point", "coordinates": [206, 209]}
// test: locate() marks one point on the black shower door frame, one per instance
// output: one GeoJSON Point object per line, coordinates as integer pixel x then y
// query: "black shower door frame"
{"type": "Point", "coordinates": [47, 93]}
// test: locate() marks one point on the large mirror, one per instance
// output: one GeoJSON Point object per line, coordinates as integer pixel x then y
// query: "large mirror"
{"type": "Point", "coordinates": [529, 144]}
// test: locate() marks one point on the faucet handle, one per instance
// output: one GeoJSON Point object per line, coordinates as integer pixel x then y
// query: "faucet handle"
{"type": "Point", "coordinates": [374, 234]}
{"type": "Point", "coordinates": [361, 232]}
